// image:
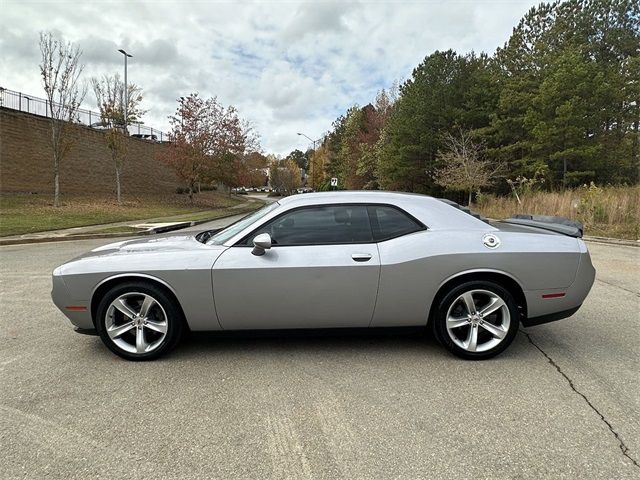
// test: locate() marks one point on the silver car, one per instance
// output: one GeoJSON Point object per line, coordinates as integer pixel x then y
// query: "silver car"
{"type": "Point", "coordinates": [333, 260]}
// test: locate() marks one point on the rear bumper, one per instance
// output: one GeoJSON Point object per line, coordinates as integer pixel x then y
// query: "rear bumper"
{"type": "Point", "coordinates": [550, 317]}
{"type": "Point", "coordinates": [85, 331]}
{"type": "Point", "coordinates": [543, 306]}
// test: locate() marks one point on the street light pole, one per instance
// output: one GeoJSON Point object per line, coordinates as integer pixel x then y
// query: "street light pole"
{"type": "Point", "coordinates": [314, 152]}
{"type": "Point", "coordinates": [126, 92]}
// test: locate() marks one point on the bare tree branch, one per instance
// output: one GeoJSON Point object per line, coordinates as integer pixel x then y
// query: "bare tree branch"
{"type": "Point", "coordinates": [60, 70]}
{"type": "Point", "coordinates": [463, 166]}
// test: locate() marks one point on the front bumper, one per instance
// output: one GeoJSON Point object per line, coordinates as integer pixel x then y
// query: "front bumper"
{"type": "Point", "coordinates": [77, 311]}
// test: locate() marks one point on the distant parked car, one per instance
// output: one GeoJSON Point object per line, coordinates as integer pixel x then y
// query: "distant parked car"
{"type": "Point", "coordinates": [146, 136]}
{"type": "Point", "coordinates": [106, 126]}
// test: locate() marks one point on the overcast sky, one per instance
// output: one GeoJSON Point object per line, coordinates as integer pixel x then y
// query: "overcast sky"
{"type": "Point", "coordinates": [287, 66]}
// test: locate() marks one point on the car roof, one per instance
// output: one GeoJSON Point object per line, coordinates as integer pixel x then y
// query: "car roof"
{"type": "Point", "coordinates": [352, 196]}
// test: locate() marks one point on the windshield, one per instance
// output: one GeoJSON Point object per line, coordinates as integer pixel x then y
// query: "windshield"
{"type": "Point", "coordinates": [235, 228]}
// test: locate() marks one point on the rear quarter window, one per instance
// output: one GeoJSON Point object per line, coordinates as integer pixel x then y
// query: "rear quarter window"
{"type": "Point", "coordinates": [389, 222]}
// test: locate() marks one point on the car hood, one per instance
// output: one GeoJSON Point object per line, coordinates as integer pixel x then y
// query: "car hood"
{"type": "Point", "coordinates": [164, 244]}
{"type": "Point", "coordinates": [169, 252]}
{"type": "Point", "coordinates": [154, 244]}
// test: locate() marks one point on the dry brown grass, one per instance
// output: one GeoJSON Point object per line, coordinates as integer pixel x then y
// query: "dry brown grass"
{"type": "Point", "coordinates": [604, 211]}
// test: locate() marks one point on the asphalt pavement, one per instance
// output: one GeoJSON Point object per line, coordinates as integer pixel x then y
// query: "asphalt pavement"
{"type": "Point", "coordinates": [562, 402]}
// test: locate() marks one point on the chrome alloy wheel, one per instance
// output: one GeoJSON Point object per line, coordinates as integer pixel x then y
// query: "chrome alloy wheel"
{"type": "Point", "coordinates": [478, 320]}
{"type": "Point", "coordinates": [136, 322]}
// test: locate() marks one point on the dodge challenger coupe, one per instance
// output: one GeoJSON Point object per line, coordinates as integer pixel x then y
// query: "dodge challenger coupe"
{"type": "Point", "coordinates": [333, 260]}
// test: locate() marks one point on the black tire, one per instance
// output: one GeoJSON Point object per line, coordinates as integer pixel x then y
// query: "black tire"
{"type": "Point", "coordinates": [450, 301]}
{"type": "Point", "coordinates": [174, 319]}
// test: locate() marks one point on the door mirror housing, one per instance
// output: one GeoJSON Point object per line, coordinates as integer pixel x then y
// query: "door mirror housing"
{"type": "Point", "coordinates": [261, 243]}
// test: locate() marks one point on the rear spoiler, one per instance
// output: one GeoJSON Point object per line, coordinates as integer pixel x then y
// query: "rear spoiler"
{"type": "Point", "coordinates": [556, 224]}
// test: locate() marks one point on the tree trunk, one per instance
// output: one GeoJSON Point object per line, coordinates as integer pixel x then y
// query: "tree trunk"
{"type": "Point", "coordinates": [634, 150]}
{"type": "Point", "coordinates": [191, 193]}
{"type": "Point", "coordinates": [470, 193]}
{"type": "Point", "coordinates": [56, 180]}
{"type": "Point", "coordinates": [56, 186]}
{"type": "Point", "coordinates": [56, 163]}
{"type": "Point", "coordinates": [118, 195]}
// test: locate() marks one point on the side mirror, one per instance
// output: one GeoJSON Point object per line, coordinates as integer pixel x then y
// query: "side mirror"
{"type": "Point", "coordinates": [261, 243]}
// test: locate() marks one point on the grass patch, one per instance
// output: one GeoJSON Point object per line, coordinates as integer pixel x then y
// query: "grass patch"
{"type": "Point", "coordinates": [604, 211]}
{"type": "Point", "coordinates": [25, 213]}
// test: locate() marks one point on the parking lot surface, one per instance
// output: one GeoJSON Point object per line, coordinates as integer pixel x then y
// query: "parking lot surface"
{"type": "Point", "coordinates": [562, 402]}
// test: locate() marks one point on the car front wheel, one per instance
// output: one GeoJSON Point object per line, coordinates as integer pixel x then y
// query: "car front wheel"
{"type": "Point", "coordinates": [139, 321]}
{"type": "Point", "coordinates": [477, 320]}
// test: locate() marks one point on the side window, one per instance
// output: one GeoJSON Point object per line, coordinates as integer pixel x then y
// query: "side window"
{"type": "Point", "coordinates": [321, 225]}
{"type": "Point", "coordinates": [388, 222]}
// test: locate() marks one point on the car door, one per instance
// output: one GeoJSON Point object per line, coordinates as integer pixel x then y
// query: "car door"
{"type": "Point", "coordinates": [322, 271]}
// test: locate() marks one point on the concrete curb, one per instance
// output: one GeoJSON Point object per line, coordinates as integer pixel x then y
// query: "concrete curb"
{"type": "Point", "coordinates": [613, 241]}
{"type": "Point", "coordinates": [91, 236]}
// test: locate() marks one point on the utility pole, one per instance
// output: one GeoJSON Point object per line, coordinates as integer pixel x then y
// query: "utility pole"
{"type": "Point", "coordinates": [125, 94]}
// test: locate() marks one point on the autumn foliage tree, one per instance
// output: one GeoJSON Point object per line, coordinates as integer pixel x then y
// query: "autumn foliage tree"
{"type": "Point", "coordinates": [251, 170]}
{"type": "Point", "coordinates": [318, 161]}
{"type": "Point", "coordinates": [299, 157]}
{"type": "Point", "coordinates": [110, 97]}
{"type": "Point", "coordinates": [207, 141]}
{"type": "Point", "coordinates": [285, 176]}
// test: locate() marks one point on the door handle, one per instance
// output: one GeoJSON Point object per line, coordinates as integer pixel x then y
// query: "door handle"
{"type": "Point", "coordinates": [361, 257]}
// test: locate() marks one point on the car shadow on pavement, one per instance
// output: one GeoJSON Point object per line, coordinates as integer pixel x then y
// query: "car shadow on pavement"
{"type": "Point", "coordinates": [344, 342]}
{"type": "Point", "coordinates": [308, 340]}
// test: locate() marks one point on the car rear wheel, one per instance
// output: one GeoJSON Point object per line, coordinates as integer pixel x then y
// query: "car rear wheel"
{"type": "Point", "coordinates": [139, 321]}
{"type": "Point", "coordinates": [477, 320]}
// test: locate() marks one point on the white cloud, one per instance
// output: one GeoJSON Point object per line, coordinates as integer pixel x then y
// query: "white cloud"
{"type": "Point", "coordinates": [288, 67]}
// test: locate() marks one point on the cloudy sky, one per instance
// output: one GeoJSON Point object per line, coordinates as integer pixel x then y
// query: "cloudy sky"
{"type": "Point", "coordinates": [287, 66]}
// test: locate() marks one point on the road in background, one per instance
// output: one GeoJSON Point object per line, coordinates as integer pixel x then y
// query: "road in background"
{"type": "Point", "coordinates": [562, 402]}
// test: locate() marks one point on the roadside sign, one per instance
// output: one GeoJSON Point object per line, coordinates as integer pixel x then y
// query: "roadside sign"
{"type": "Point", "coordinates": [334, 182]}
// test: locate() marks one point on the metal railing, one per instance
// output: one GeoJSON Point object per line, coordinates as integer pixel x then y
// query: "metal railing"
{"type": "Point", "coordinates": [39, 106]}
